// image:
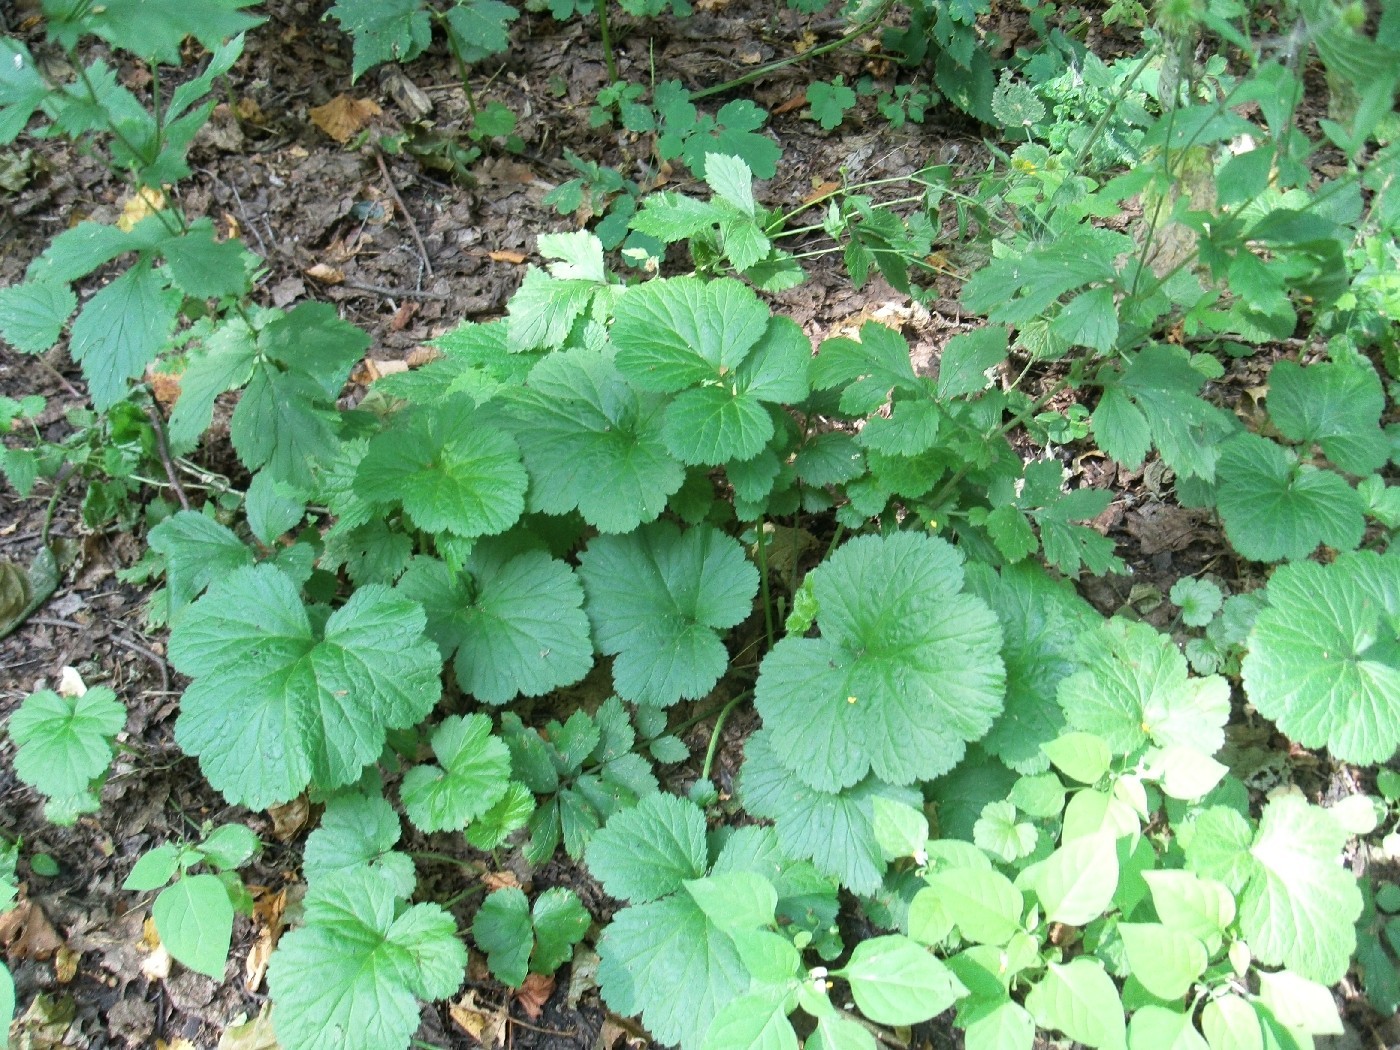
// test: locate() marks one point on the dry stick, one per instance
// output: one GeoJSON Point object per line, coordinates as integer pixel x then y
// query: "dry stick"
{"type": "Point", "coordinates": [392, 293]}
{"type": "Point", "coordinates": [163, 450]}
{"type": "Point", "coordinates": [408, 218]}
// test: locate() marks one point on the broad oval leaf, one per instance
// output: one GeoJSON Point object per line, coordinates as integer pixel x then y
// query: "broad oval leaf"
{"type": "Point", "coordinates": [1080, 1000]}
{"type": "Point", "coordinates": [276, 705]}
{"type": "Point", "coordinates": [1167, 961]}
{"type": "Point", "coordinates": [906, 671]}
{"type": "Point", "coordinates": [897, 981]}
{"type": "Point", "coordinates": [194, 918]}
{"type": "Point", "coordinates": [1076, 883]}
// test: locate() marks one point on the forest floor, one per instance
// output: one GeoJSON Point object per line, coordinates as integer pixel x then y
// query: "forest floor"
{"type": "Point", "coordinates": [405, 253]}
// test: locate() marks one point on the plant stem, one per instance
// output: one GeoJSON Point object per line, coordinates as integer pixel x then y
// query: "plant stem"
{"type": "Point", "coordinates": [714, 733]}
{"type": "Point", "coordinates": [766, 596]}
{"type": "Point", "coordinates": [605, 37]}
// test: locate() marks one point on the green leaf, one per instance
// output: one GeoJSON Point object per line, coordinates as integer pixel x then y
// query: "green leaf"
{"type": "Point", "coordinates": [229, 846]}
{"type": "Point", "coordinates": [502, 930]}
{"type": "Point", "coordinates": [1300, 1004]}
{"type": "Point", "coordinates": [350, 975]}
{"type": "Point", "coordinates": [194, 918]}
{"type": "Point", "coordinates": [155, 29]}
{"type": "Point", "coordinates": [1230, 1023]}
{"type": "Point", "coordinates": [835, 1032]}
{"type": "Point", "coordinates": [1089, 319]}
{"type": "Point", "coordinates": [983, 906]}
{"type": "Point", "coordinates": [836, 830]}
{"type": "Point", "coordinates": [32, 313]}
{"type": "Point", "coordinates": [966, 359]}
{"type": "Point", "coordinates": [907, 669]}
{"type": "Point", "coordinates": [735, 900]}
{"type": "Point", "coordinates": [472, 778]}
{"type": "Point", "coordinates": [732, 181]}
{"type": "Point", "coordinates": [510, 814]}
{"type": "Point", "coordinates": [710, 425]}
{"type": "Point", "coordinates": [582, 423]}
{"type": "Point", "coordinates": [757, 1021]}
{"type": "Point", "coordinates": [359, 831]}
{"type": "Point", "coordinates": [683, 331]}
{"type": "Point", "coordinates": [896, 981]}
{"type": "Point", "coordinates": [221, 362]}
{"type": "Point", "coordinates": [657, 599]}
{"type": "Point", "coordinates": [829, 102]}
{"type": "Point", "coordinates": [23, 91]}
{"type": "Point", "coordinates": [1335, 404]}
{"type": "Point", "coordinates": [7, 983]}
{"type": "Point", "coordinates": [1042, 620]}
{"type": "Point", "coordinates": [1198, 600]}
{"type": "Point", "coordinates": [1275, 508]}
{"type": "Point", "coordinates": [198, 550]}
{"type": "Point", "coordinates": [154, 869]}
{"type": "Point", "coordinates": [1158, 1028]}
{"type": "Point", "coordinates": [121, 329]}
{"type": "Point", "coordinates": [1007, 1026]}
{"type": "Point", "coordinates": [516, 624]}
{"type": "Point", "coordinates": [202, 267]}
{"type": "Point", "coordinates": [1121, 428]}
{"type": "Point", "coordinates": [1217, 847]}
{"type": "Point", "coordinates": [669, 963]}
{"type": "Point", "coordinates": [900, 829]}
{"type": "Point", "coordinates": [866, 369]}
{"type": "Point", "coordinates": [650, 850]}
{"type": "Point", "coordinates": [1300, 904]}
{"type": "Point", "coordinates": [482, 26]}
{"type": "Point", "coordinates": [277, 705]}
{"type": "Point", "coordinates": [65, 742]}
{"type": "Point", "coordinates": [1200, 907]}
{"type": "Point", "coordinates": [1079, 756]}
{"type": "Point", "coordinates": [1167, 961]}
{"type": "Point", "coordinates": [998, 832]}
{"type": "Point", "coordinates": [1135, 687]}
{"type": "Point", "coordinates": [1076, 883]}
{"type": "Point", "coordinates": [911, 428]}
{"type": "Point", "coordinates": [1014, 289]}
{"type": "Point", "coordinates": [392, 31]}
{"type": "Point", "coordinates": [1324, 661]}
{"type": "Point", "coordinates": [560, 921]}
{"type": "Point", "coordinates": [450, 473]}
{"type": "Point", "coordinates": [1079, 999]}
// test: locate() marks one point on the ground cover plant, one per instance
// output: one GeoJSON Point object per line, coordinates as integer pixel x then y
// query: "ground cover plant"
{"type": "Point", "coordinates": [483, 615]}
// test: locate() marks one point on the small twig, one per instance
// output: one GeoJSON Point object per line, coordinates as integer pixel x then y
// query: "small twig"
{"type": "Point", "coordinates": [116, 639]}
{"type": "Point", "coordinates": [163, 450]}
{"type": "Point", "coordinates": [571, 1033]}
{"type": "Point", "coordinates": [63, 380]}
{"type": "Point", "coordinates": [408, 218]}
{"type": "Point", "coordinates": [392, 293]}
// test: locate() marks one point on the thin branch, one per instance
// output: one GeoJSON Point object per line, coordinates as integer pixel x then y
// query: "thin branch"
{"type": "Point", "coordinates": [408, 218]}
{"type": "Point", "coordinates": [163, 450]}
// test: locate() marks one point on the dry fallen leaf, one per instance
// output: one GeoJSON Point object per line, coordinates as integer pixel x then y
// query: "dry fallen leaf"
{"type": "Point", "coordinates": [325, 274]}
{"type": "Point", "coordinates": [255, 966]}
{"type": "Point", "coordinates": [483, 1022]}
{"type": "Point", "coordinates": [343, 117]}
{"type": "Point", "coordinates": [288, 820]}
{"type": "Point", "coordinates": [500, 880]}
{"type": "Point", "coordinates": [256, 1034]}
{"type": "Point", "coordinates": [796, 102]}
{"type": "Point", "coordinates": [164, 386]}
{"type": "Point", "coordinates": [65, 964]}
{"type": "Point", "coordinates": [27, 933]}
{"type": "Point", "coordinates": [145, 201]}
{"type": "Point", "coordinates": [534, 993]}
{"type": "Point", "coordinates": [515, 258]}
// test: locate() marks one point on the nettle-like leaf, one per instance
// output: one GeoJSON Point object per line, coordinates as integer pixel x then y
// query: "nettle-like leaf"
{"type": "Point", "coordinates": [592, 443]}
{"type": "Point", "coordinates": [866, 369]}
{"type": "Point", "coordinates": [449, 469]}
{"type": "Point", "coordinates": [155, 29]}
{"type": "Point", "coordinates": [393, 31]}
{"type": "Point", "coordinates": [1042, 621]}
{"type": "Point", "coordinates": [1275, 508]}
{"type": "Point", "coordinates": [907, 669]}
{"type": "Point", "coordinates": [198, 550]}
{"type": "Point", "coordinates": [1135, 688]}
{"type": "Point", "coordinates": [714, 343]}
{"type": "Point", "coordinates": [657, 599]}
{"type": "Point", "coordinates": [277, 704]}
{"type": "Point", "coordinates": [359, 831]}
{"type": "Point", "coordinates": [835, 830]}
{"type": "Point", "coordinates": [516, 624]}
{"type": "Point", "coordinates": [64, 744]}
{"type": "Point", "coordinates": [1324, 656]}
{"type": "Point", "coordinates": [350, 976]}
{"type": "Point", "coordinates": [1336, 404]}
{"type": "Point", "coordinates": [472, 777]}
{"type": "Point", "coordinates": [1297, 904]}
{"type": "Point", "coordinates": [698, 942]}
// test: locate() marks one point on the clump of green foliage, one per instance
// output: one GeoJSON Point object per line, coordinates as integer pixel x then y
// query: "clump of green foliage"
{"type": "Point", "coordinates": [1026, 803]}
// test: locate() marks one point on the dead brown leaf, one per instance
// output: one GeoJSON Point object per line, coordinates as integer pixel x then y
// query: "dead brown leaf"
{"type": "Point", "coordinates": [325, 274]}
{"type": "Point", "coordinates": [343, 117]}
{"type": "Point", "coordinates": [255, 966]}
{"type": "Point", "coordinates": [256, 1034]}
{"type": "Point", "coordinates": [65, 965]}
{"type": "Point", "coordinates": [145, 201]}
{"type": "Point", "coordinates": [165, 386]}
{"type": "Point", "coordinates": [483, 1022]}
{"type": "Point", "coordinates": [27, 933]}
{"type": "Point", "coordinates": [796, 102]}
{"type": "Point", "coordinates": [289, 819]}
{"type": "Point", "coordinates": [45, 1024]}
{"type": "Point", "coordinates": [534, 993]}
{"type": "Point", "coordinates": [514, 258]}
{"type": "Point", "coordinates": [500, 880]}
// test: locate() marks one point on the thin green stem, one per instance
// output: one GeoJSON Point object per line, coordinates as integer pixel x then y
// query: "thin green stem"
{"type": "Point", "coordinates": [714, 733]}
{"type": "Point", "coordinates": [462, 895]}
{"type": "Point", "coordinates": [605, 37]}
{"type": "Point", "coordinates": [766, 596]}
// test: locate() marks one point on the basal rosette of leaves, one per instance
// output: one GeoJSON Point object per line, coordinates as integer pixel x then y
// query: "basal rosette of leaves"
{"type": "Point", "coordinates": [906, 670]}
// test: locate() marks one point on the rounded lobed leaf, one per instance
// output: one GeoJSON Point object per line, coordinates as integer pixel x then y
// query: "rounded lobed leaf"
{"type": "Point", "coordinates": [907, 670]}
{"type": "Point", "coordinates": [1324, 656]}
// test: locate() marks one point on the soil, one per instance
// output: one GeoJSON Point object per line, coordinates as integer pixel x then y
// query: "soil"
{"type": "Point", "coordinates": [406, 252]}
